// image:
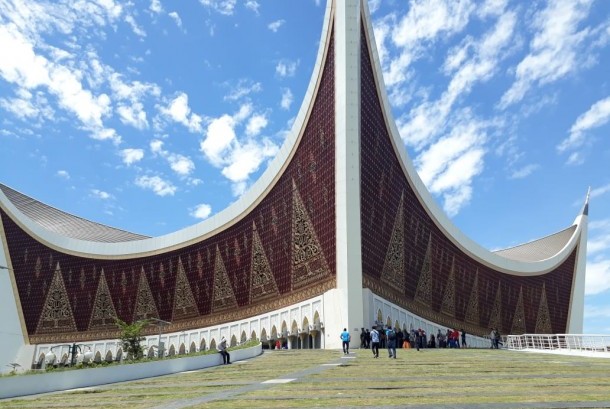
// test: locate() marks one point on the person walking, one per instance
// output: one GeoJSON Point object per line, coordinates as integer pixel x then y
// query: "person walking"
{"type": "Point", "coordinates": [345, 338]}
{"type": "Point", "coordinates": [375, 342]}
{"type": "Point", "coordinates": [390, 335]}
{"type": "Point", "coordinates": [222, 348]}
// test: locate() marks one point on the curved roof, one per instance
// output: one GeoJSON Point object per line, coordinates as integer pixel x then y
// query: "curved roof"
{"type": "Point", "coordinates": [64, 223]}
{"type": "Point", "coordinates": [540, 249]}
{"type": "Point", "coordinates": [78, 236]}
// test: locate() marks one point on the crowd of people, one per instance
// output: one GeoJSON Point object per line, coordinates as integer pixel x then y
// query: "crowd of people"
{"type": "Point", "coordinates": [393, 338]}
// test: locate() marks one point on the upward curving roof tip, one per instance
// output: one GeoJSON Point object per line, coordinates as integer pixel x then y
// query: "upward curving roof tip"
{"type": "Point", "coordinates": [64, 223]}
{"type": "Point", "coordinates": [540, 249]}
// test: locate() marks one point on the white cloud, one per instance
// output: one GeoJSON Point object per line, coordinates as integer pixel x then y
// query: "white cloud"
{"type": "Point", "coordinates": [201, 211]}
{"type": "Point", "coordinates": [275, 25]}
{"type": "Point", "coordinates": [247, 158]}
{"type": "Point", "coordinates": [63, 174]}
{"type": "Point", "coordinates": [156, 7]}
{"type": "Point", "coordinates": [598, 115]}
{"type": "Point", "coordinates": [600, 191]}
{"type": "Point", "coordinates": [598, 276]}
{"type": "Point", "coordinates": [243, 89]}
{"type": "Point", "coordinates": [470, 63]}
{"type": "Point", "coordinates": [287, 98]}
{"type": "Point", "coordinates": [131, 156]}
{"type": "Point", "coordinates": [179, 111]}
{"type": "Point", "coordinates": [180, 164]}
{"type": "Point", "coordinates": [220, 135]}
{"type": "Point", "coordinates": [426, 21]}
{"type": "Point", "coordinates": [555, 49]}
{"type": "Point", "coordinates": [256, 124]}
{"type": "Point", "coordinates": [252, 5]}
{"type": "Point", "coordinates": [176, 17]}
{"type": "Point", "coordinates": [524, 171]}
{"type": "Point", "coordinates": [159, 186]}
{"type": "Point", "coordinates": [286, 68]}
{"type": "Point", "coordinates": [100, 194]}
{"type": "Point", "coordinates": [576, 158]}
{"type": "Point", "coordinates": [237, 158]}
{"type": "Point", "coordinates": [21, 66]}
{"type": "Point", "coordinates": [137, 30]}
{"type": "Point", "coordinates": [133, 115]}
{"type": "Point", "coordinates": [449, 165]}
{"type": "Point", "coordinates": [225, 7]}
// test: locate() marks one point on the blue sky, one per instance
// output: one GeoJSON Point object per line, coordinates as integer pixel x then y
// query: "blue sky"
{"type": "Point", "coordinates": [153, 115]}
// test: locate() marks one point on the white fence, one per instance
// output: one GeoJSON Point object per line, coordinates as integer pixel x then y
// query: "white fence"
{"type": "Point", "coordinates": [566, 343]}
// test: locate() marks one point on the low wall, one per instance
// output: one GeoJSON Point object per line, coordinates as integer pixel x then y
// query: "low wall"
{"type": "Point", "coordinates": [22, 385]}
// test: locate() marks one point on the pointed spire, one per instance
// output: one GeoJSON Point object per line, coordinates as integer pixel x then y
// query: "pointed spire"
{"type": "Point", "coordinates": [585, 209]}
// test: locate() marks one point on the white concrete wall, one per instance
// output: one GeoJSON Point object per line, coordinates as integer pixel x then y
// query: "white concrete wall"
{"type": "Point", "coordinates": [23, 385]}
{"type": "Point", "coordinates": [12, 339]}
{"type": "Point", "coordinates": [348, 299]}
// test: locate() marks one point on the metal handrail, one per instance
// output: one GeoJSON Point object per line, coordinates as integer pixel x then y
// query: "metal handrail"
{"type": "Point", "coordinates": [560, 342]}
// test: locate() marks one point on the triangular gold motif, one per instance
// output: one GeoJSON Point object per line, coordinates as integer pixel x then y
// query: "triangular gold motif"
{"type": "Point", "coordinates": [184, 302]}
{"type": "Point", "coordinates": [56, 315]}
{"type": "Point", "coordinates": [393, 272]}
{"type": "Point", "coordinates": [222, 297]}
{"type": "Point", "coordinates": [495, 318]}
{"type": "Point", "coordinates": [448, 305]}
{"type": "Point", "coordinates": [518, 327]}
{"type": "Point", "coordinates": [543, 320]}
{"type": "Point", "coordinates": [145, 302]}
{"type": "Point", "coordinates": [262, 285]}
{"type": "Point", "coordinates": [423, 294]}
{"type": "Point", "coordinates": [103, 313]}
{"type": "Point", "coordinates": [472, 311]}
{"type": "Point", "coordinates": [308, 261]}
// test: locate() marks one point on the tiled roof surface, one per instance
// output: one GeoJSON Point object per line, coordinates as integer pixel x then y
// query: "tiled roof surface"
{"type": "Point", "coordinates": [64, 223]}
{"type": "Point", "coordinates": [540, 249]}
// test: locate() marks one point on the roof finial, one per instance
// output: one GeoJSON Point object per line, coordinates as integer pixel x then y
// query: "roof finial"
{"type": "Point", "coordinates": [585, 209]}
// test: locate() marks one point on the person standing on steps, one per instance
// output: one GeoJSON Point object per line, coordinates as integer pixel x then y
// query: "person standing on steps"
{"type": "Point", "coordinates": [346, 338]}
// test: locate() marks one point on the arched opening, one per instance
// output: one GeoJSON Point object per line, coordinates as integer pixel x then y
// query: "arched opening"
{"type": "Point", "coordinates": [151, 352]}
{"type": "Point", "coordinates": [293, 339]}
{"type": "Point", "coordinates": [233, 341]}
{"type": "Point", "coordinates": [305, 335]}
{"type": "Point", "coordinates": [202, 344]}
{"type": "Point", "coordinates": [379, 316]}
{"type": "Point", "coordinates": [253, 336]}
{"type": "Point", "coordinates": [172, 350]}
{"type": "Point", "coordinates": [108, 356]}
{"type": "Point", "coordinates": [64, 360]}
{"type": "Point", "coordinates": [98, 357]}
{"type": "Point", "coordinates": [264, 335]}
{"type": "Point", "coordinates": [316, 332]}
{"type": "Point", "coordinates": [388, 322]}
{"type": "Point", "coordinates": [244, 337]}
{"type": "Point", "coordinates": [193, 348]}
{"type": "Point", "coordinates": [397, 325]}
{"type": "Point", "coordinates": [40, 361]}
{"type": "Point", "coordinates": [213, 344]}
{"type": "Point", "coordinates": [182, 349]}
{"type": "Point", "coordinates": [119, 354]}
{"type": "Point", "coordinates": [273, 333]}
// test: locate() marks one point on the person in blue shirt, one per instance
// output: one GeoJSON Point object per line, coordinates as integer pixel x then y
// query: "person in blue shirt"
{"type": "Point", "coordinates": [391, 337]}
{"type": "Point", "coordinates": [346, 338]}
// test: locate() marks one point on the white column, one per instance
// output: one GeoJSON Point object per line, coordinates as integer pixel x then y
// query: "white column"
{"type": "Point", "coordinates": [13, 336]}
{"type": "Point", "coordinates": [346, 306]}
{"type": "Point", "coordinates": [577, 304]}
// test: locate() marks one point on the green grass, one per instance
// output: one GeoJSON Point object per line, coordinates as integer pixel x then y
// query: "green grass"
{"type": "Point", "coordinates": [433, 377]}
